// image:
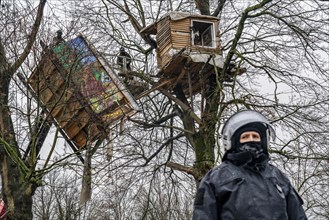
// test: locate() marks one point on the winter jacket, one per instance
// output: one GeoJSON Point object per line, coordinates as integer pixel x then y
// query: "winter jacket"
{"type": "Point", "coordinates": [242, 193]}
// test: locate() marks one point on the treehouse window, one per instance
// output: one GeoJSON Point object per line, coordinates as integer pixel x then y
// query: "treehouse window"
{"type": "Point", "coordinates": [203, 34]}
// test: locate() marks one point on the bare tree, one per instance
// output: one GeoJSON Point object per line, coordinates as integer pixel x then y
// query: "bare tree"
{"type": "Point", "coordinates": [59, 199]}
{"type": "Point", "coordinates": [18, 180]}
{"type": "Point", "coordinates": [283, 45]}
{"type": "Point", "coordinates": [25, 122]}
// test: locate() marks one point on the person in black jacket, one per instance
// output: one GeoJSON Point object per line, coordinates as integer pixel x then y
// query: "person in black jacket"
{"type": "Point", "coordinates": [124, 59]}
{"type": "Point", "coordinates": [245, 186]}
{"type": "Point", "coordinates": [58, 39]}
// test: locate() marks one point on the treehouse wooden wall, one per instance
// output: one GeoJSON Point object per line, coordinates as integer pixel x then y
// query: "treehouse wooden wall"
{"type": "Point", "coordinates": [176, 34]}
{"type": "Point", "coordinates": [163, 40]}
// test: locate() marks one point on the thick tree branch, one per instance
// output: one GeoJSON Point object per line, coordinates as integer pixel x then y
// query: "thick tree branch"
{"type": "Point", "coordinates": [239, 32]}
{"type": "Point", "coordinates": [31, 38]}
{"type": "Point", "coordinates": [203, 6]}
{"type": "Point", "coordinates": [219, 8]}
{"type": "Point", "coordinates": [182, 168]}
{"type": "Point", "coordinates": [3, 60]}
{"type": "Point", "coordinates": [146, 37]}
{"type": "Point", "coordinates": [168, 141]}
{"type": "Point", "coordinates": [184, 107]}
{"type": "Point", "coordinates": [292, 156]}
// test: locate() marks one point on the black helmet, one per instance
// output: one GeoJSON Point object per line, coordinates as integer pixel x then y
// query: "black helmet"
{"type": "Point", "coordinates": [246, 120]}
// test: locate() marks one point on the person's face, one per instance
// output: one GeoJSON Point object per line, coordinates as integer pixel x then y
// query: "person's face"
{"type": "Point", "coordinates": [249, 136]}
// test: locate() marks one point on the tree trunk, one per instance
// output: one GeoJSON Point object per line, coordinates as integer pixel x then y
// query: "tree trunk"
{"type": "Point", "coordinates": [18, 181]}
{"type": "Point", "coordinates": [203, 6]}
{"type": "Point", "coordinates": [202, 141]}
{"type": "Point", "coordinates": [205, 140]}
{"type": "Point", "coordinates": [16, 191]}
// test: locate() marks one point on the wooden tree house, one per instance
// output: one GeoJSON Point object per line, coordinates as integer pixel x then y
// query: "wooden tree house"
{"type": "Point", "coordinates": [188, 49]}
{"type": "Point", "coordinates": [80, 91]}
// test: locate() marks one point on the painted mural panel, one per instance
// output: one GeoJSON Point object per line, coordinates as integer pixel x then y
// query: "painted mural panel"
{"type": "Point", "coordinates": [95, 83]}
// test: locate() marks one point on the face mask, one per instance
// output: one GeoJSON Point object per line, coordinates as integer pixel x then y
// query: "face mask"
{"type": "Point", "coordinates": [252, 146]}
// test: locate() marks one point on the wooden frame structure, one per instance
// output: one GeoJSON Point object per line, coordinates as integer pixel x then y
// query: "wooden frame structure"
{"type": "Point", "coordinates": [188, 49]}
{"type": "Point", "coordinates": [80, 91]}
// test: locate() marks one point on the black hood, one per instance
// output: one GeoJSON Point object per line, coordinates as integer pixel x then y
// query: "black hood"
{"type": "Point", "coordinates": [257, 127]}
{"type": "Point", "coordinates": [239, 156]}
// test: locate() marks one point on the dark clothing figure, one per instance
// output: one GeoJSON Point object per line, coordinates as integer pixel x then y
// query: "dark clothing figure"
{"type": "Point", "coordinates": [245, 186]}
{"type": "Point", "coordinates": [197, 38]}
{"type": "Point", "coordinates": [231, 192]}
{"type": "Point", "coordinates": [58, 39]}
{"type": "Point", "coordinates": [124, 60]}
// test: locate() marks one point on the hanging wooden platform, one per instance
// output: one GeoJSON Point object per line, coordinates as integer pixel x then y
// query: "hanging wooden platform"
{"type": "Point", "coordinates": [80, 91]}
{"type": "Point", "coordinates": [180, 69]}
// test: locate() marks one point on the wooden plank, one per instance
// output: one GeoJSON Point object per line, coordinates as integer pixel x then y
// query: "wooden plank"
{"type": "Point", "coordinates": [175, 64]}
{"type": "Point", "coordinates": [95, 133]}
{"type": "Point", "coordinates": [73, 129]}
{"type": "Point", "coordinates": [181, 41]}
{"type": "Point", "coordinates": [205, 50]}
{"type": "Point", "coordinates": [181, 25]}
{"type": "Point", "coordinates": [155, 87]}
{"type": "Point", "coordinates": [81, 121]}
{"type": "Point", "coordinates": [165, 39]}
{"type": "Point", "coordinates": [46, 96]}
{"type": "Point", "coordinates": [67, 112]}
{"type": "Point", "coordinates": [163, 23]}
{"type": "Point", "coordinates": [76, 116]}
{"type": "Point", "coordinates": [164, 34]}
{"type": "Point", "coordinates": [165, 48]}
{"type": "Point", "coordinates": [57, 83]}
{"type": "Point", "coordinates": [80, 139]}
{"type": "Point", "coordinates": [180, 36]}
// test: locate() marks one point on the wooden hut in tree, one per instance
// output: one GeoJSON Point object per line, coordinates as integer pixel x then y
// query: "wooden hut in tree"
{"type": "Point", "coordinates": [80, 91]}
{"type": "Point", "coordinates": [188, 49]}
